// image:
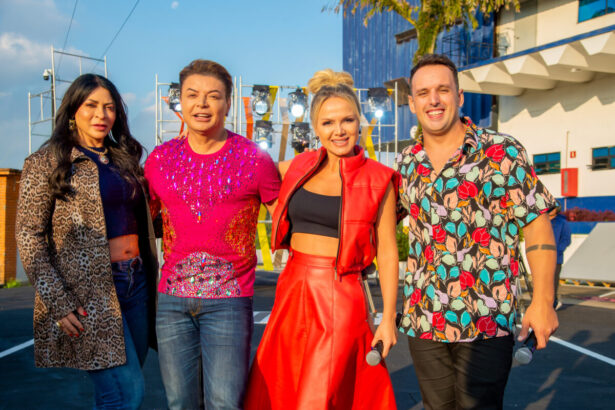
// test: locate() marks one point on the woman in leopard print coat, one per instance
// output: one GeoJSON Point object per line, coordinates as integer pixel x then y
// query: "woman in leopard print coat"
{"type": "Point", "coordinates": [83, 263]}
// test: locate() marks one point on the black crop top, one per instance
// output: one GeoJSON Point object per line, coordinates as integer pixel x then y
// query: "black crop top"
{"type": "Point", "coordinates": [314, 213]}
{"type": "Point", "coordinates": [119, 205]}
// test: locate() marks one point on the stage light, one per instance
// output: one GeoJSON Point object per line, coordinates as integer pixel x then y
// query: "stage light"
{"type": "Point", "coordinates": [260, 100]}
{"type": "Point", "coordinates": [263, 134]}
{"type": "Point", "coordinates": [378, 101]}
{"type": "Point", "coordinates": [297, 101]}
{"type": "Point", "coordinates": [300, 136]}
{"type": "Point", "coordinates": [174, 103]}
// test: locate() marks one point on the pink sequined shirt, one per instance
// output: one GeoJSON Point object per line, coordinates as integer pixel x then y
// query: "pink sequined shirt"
{"type": "Point", "coordinates": [209, 205]}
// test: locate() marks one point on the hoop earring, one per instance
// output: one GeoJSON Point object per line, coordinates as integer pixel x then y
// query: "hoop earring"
{"type": "Point", "coordinates": [71, 124]}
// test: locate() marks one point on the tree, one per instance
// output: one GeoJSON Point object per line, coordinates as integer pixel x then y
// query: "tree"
{"type": "Point", "coordinates": [429, 17]}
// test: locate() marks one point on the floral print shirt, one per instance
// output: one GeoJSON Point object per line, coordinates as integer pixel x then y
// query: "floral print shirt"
{"type": "Point", "coordinates": [463, 233]}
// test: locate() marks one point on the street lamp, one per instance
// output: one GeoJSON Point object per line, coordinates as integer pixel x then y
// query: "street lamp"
{"type": "Point", "coordinates": [260, 100]}
{"type": "Point", "coordinates": [378, 101]}
{"type": "Point", "coordinates": [174, 102]}
{"type": "Point", "coordinates": [297, 101]}
{"type": "Point", "coordinates": [300, 136]}
{"type": "Point", "coordinates": [263, 134]}
{"type": "Point", "coordinates": [49, 75]}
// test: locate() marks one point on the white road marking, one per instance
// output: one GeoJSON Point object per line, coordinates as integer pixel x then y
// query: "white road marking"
{"type": "Point", "coordinates": [17, 348]}
{"type": "Point", "coordinates": [377, 320]}
{"type": "Point", "coordinates": [607, 294]}
{"type": "Point", "coordinates": [580, 349]}
{"type": "Point", "coordinates": [583, 350]}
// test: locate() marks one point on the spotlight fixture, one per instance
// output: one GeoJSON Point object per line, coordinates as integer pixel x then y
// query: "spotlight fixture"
{"type": "Point", "coordinates": [174, 103]}
{"type": "Point", "coordinates": [300, 136]}
{"type": "Point", "coordinates": [378, 101]}
{"type": "Point", "coordinates": [263, 134]}
{"type": "Point", "coordinates": [260, 100]}
{"type": "Point", "coordinates": [297, 101]}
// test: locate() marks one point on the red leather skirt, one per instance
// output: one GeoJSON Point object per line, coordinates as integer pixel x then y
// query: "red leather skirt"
{"type": "Point", "coordinates": [312, 354]}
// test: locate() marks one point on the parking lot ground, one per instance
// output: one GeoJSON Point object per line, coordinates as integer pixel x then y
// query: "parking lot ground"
{"type": "Point", "coordinates": [576, 371]}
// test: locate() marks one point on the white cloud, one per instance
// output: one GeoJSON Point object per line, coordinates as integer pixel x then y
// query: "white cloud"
{"type": "Point", "coordinates": [150, 108]}
{"type": "Point", "coordinates": [4, 94]}
{"type": "Point", "coordinates": [23, 53]}
{"type": "Point", "coordinates": [129, 98]}
{"type": "Point", "coordinates": [40, 18]}
{"type": "Point", "coordinates": [175, 5]}
{"type": "Point", "coordinates": [149, 97]}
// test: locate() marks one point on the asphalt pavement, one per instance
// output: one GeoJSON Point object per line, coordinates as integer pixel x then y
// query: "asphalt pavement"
{"type": "Point", "coordinates": [576, 371]}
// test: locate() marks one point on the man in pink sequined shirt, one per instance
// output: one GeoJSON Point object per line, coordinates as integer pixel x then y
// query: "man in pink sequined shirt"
{"type": "Point", "coordinates": [208, 189]}
{"type": "Point", "coordinates": [210, 204]}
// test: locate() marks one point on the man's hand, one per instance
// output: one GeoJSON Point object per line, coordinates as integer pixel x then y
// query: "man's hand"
{"type": "Point", "coordinates": [541, 317]}
{"type": "Point", "coordinates": [540, 250]}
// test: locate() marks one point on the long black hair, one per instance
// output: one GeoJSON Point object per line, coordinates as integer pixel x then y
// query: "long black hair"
{"type": "Point", "coordinates": [124, 150]}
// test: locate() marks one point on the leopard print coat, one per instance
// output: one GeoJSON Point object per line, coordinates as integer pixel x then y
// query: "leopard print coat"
{"type": "Point", "coordinates": [65, 252]}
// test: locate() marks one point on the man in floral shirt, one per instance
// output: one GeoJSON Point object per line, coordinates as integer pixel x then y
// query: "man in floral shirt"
{"type": "Point", "coordinates": [468, 191]}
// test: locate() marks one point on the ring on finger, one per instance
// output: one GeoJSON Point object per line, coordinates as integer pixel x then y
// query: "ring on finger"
{"type": "Point", "coordinates": [59, 324]}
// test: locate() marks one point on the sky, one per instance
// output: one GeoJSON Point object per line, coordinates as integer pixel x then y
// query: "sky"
{"type": "Point", "coordinates": [279, 42]}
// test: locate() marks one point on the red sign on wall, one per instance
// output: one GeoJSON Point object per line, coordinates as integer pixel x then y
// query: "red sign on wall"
{"type": "Point", "coordinates": [570, 181]}
{"type": "Point", "coordinates": [573, 154]}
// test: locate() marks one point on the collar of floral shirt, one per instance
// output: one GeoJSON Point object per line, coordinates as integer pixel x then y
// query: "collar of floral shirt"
{"type": "Point", "coordinates": [470, 142]}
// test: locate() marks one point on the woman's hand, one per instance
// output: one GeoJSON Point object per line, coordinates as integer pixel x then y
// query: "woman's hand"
{"type": "Point", "coordinates": [70, 324]}
{"type": "Point", "coordinates": [182, 135]}
{"type": "Point", "coordinates": [387, 333]}
{"type": "Point", "coordinates": [388, 268]}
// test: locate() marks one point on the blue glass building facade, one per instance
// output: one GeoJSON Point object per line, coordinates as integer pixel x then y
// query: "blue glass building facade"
{"type": "Point", "coordinates": [374, 54]}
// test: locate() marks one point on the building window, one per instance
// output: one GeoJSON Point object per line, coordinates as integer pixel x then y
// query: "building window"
{"type": "Point", "coordinates": [547, 163]}
{"type": "Point", "coordinates": [589, 9]}
{"type": "Point", "coordinates": [603, 158]}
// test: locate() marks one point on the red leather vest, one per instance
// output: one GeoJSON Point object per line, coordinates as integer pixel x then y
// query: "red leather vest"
{"type": "Point", "coordinates": [364, 183]}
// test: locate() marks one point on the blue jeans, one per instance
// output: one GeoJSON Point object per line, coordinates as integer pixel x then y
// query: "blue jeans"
{"type": "Point", "coordinates": [204, 350]}
{"type": "Point", "coordinates": [122, 387]}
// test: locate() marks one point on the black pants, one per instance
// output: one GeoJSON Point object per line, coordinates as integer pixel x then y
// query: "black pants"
{"type": "Point", "coordinates": [469, 375]}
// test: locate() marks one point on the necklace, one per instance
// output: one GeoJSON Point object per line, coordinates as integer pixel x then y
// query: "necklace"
{"type": "Point", "coordinates": [102, 157]}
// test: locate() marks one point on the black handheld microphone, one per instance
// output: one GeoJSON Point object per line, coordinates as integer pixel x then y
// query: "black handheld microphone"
{"type": "Point", "coordinates": [374, 356]}
{"type": "Point", "coordinates": [524, 354]}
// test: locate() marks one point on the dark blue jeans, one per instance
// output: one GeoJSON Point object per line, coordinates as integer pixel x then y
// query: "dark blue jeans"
{"type": "Point", "coordinates": [122, 387]}
{"type": "Point", "coordinates": [204, 350]}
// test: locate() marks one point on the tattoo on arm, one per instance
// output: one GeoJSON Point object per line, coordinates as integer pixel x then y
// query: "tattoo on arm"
{"type": "Point", "coordinates": [542, 246]}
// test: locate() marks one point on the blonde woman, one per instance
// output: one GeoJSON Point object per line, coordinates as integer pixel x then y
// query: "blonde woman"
{"type": "Point", "coordinates": [336, 212]}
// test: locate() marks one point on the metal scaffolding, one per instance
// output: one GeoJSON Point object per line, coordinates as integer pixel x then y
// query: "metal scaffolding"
{"type": "Point", "coordinates": [41, 124]}
{"type": "Point", "coordinates": [168, 123]}
{"type": "Point", "coordinates": [241, 119]}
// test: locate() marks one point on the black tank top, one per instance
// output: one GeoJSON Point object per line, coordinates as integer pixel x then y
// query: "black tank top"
{"type": "Point", "coordinates": [119, 205]}
{"type": "Point", "coordinates": [314, 213]}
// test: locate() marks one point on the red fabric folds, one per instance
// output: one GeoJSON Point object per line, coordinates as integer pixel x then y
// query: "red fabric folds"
{"type": "Point", "coordinates": [312, 354]}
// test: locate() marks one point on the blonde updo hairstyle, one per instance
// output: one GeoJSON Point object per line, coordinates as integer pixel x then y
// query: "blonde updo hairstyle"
{"type": "Point", "coordinates": [328, 83]}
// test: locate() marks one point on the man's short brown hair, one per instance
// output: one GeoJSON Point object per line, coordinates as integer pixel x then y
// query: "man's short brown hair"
{"type": "Point", "coordinates": [210, 68]}
{"type": "Point", "coordinates": [435, 59]}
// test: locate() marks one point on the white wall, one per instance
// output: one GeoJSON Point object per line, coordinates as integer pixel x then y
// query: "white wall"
{"type": "Point", "coordinates": [541, 21]}
{"type": "Point", "coordinates": [540, 120]}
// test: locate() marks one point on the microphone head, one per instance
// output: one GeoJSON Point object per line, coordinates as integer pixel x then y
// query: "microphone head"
{"type": "Point", "coordinates": [373, 357]}
{"type": "Point", "coordinates": [523, 355]}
